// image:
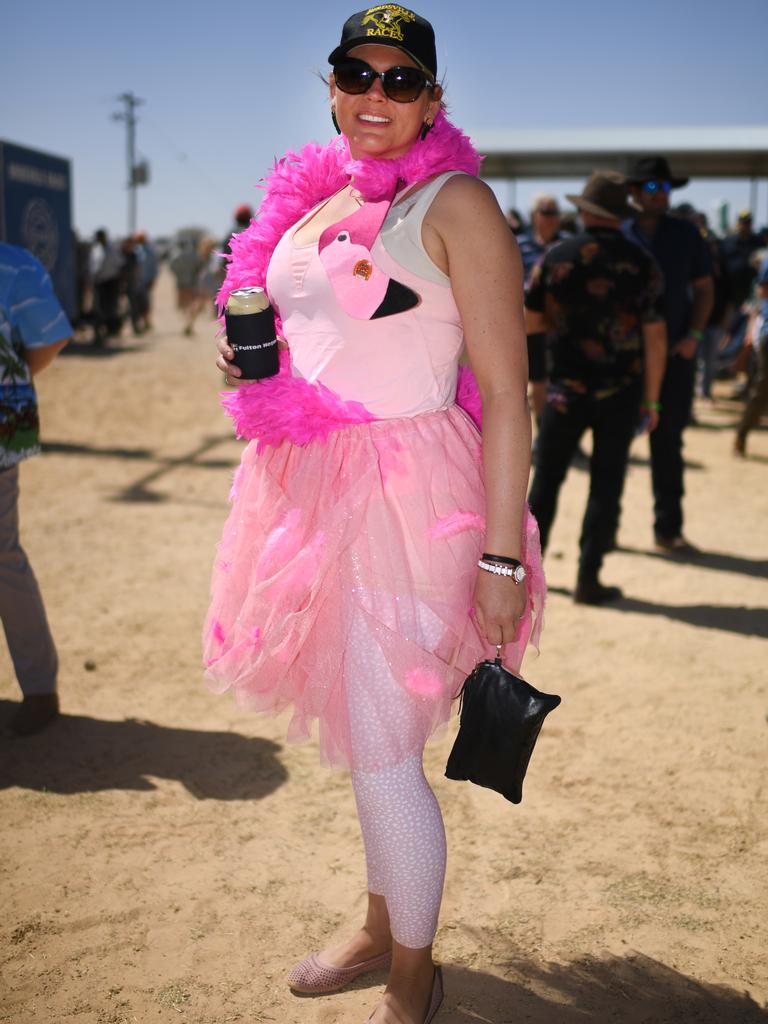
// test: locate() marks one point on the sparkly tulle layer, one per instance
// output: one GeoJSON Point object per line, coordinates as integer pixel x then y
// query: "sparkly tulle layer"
{"type": "Point", "coordinates": [360, 548]}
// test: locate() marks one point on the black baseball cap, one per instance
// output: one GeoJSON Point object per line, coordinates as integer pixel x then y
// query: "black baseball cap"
{"type": "Point", "coordinates": [390, 25]}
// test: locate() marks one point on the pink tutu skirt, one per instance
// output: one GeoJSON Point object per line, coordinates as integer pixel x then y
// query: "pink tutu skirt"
{"type": "Point", "coordinates": [355, 550]}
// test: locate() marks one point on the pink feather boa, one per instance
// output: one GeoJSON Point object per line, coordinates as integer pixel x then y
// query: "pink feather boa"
{"type": "Point", "coordinates": [289, 407]}
{"type": "Point", "coordinates": [284, 406]}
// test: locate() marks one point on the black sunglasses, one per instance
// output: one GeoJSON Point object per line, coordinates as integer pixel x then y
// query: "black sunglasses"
{"type": "Point", "coordinates": [401, 84]}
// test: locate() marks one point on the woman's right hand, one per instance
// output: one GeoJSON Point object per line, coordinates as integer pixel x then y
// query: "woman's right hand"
{"type": "Point", "coordinates": [226, 355]}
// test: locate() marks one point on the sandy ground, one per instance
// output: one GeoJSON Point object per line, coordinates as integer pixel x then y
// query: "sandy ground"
{"type": "Point", "coordinates": [166, 857]}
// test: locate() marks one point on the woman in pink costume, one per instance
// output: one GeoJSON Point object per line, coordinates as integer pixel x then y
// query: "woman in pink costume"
{"type": "Point", "coordinates": [347, 584]}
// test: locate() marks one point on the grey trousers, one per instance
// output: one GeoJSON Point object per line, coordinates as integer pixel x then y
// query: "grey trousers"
{"type": "Point", "coordinates": [21, 607]}
{"type": "Point", "coordinates": [757, 400]}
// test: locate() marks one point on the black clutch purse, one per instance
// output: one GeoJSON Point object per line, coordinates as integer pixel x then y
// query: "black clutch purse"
{"type": "Point", "coordinates": [501, 716]}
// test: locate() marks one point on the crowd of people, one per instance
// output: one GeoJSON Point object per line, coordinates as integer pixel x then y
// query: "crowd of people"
{"type": "Point", "coordinates": [737, 260]}
{"type": "Point", "coordinates": [731, 337]}
{"type": "Point", "coordinates": [113, 284]}
{"type": "Point", "coordinates": [115, 279]}
{"type": "Point", "coordinates": [700, 303]}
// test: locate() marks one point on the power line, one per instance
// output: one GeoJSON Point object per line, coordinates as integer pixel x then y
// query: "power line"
{"type": "Point", "coordinates": [161, 135]}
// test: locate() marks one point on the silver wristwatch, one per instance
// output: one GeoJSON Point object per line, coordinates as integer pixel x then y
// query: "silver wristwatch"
{"type": "Point", "coordinates": [517, 572]}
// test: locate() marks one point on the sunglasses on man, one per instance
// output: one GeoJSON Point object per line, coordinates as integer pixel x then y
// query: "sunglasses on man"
{"type": "Point", "coordinates": [401, 84]}
{"type": "Point", "coordinates": [653, 188]}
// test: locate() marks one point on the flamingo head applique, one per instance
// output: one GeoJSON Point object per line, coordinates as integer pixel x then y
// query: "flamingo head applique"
{"type": "Point", "coordinates": [362, 289]}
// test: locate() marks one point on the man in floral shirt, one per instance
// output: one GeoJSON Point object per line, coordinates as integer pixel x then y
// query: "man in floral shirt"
{"type": "Point", "coordinates": [597, 297]}
{"type": "Point", "coordinates": [33, 329]}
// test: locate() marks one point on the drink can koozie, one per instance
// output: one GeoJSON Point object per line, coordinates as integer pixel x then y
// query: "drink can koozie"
{"type": "Point", "coordinates": [250, 322]}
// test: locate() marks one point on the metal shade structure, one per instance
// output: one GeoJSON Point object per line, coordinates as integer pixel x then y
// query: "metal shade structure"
{"type": "Point", "coordinates": [700, 152]}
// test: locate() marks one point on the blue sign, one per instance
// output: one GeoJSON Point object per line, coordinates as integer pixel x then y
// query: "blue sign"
{"type": "Point", "coordinates": [36, 213]}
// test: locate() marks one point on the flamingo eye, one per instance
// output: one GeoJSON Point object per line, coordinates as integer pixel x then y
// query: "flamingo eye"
{"type": "Point", "coordinates": [342, 237]}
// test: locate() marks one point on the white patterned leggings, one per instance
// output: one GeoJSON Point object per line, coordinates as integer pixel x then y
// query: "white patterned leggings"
{"type": "Point", "coordinates": [399, 814]}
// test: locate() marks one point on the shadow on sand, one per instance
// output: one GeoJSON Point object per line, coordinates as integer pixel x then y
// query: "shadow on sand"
{"type": "Point", "coordinates": [140, 491]}
{"type": "Point", "coordinates": [87, 755]}
{"type": "Point", "coordinates": [645, 460]}
{"type": "Point", "coordinates": [82, 346]}
{"type": "Point", "coordinates": [719, 561]}
{"type": "Point", "coordinates": [730, 618]}
{"type": "Point", "coordinates": [634, 989]}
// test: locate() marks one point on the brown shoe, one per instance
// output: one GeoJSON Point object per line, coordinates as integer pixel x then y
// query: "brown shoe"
{"type": "Point", "coordinates": [675, 546]}
{"type": "Point", "coordinates": [592, 591]}
{"type": "Point", "coordinates": [35, 713]}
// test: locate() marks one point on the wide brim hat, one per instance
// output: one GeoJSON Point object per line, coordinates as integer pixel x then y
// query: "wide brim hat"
{"type": "Point", "coordinates": [654, 168]}
{"type": "Point", "coordinates": [604, 195]}
{"type": "Point", "coordinates": [390, 25]}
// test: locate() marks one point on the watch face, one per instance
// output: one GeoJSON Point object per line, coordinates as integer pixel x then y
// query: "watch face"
{"type": "Point", "coordinates": [519, 573]}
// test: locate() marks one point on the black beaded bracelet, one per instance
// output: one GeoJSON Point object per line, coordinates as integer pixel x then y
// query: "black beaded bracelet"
{"type": "Point", "coordinates": [500, 558]}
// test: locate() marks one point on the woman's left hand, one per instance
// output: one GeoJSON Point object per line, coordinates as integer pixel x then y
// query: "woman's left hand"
{"type": "Point", "coordinates": [487, 281]}
{"type": "Point", "coordinates": [499, 606]}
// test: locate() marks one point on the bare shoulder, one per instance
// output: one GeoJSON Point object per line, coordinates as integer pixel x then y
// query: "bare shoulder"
{"type": "Point", "coordinates": [466, 196]}
{"type": "Point", "coordinates": [466, 204]}
{"type": "Point", "coordinates": [466, 213]}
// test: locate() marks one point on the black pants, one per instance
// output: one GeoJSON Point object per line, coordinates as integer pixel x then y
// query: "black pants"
{"type": "Point", "coordinates": [613, 421]}
{"type": "Point", "coordinates": [667, 447]}
{"type": "Point", "coordinates": [138, 305]}
{"type": "Point", "coordinates": [105, 308]}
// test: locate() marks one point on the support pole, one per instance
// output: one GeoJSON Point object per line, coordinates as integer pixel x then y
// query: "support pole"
{"type": "Point", "coordinates": [129, 116]}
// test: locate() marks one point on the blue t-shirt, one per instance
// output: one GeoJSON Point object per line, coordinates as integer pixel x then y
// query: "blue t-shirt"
{"type": "Point", "coordinates": [30, 317]}
{"type": "Point", "coordinates": [683, 256]}
{"type": "Point", "coordinates": [762, 278]}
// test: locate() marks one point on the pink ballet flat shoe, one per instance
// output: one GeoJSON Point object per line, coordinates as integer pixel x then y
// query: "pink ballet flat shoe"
{"type": "Point", "coordinates": [312, 976]}
{"type": "Point", "coordinates": [436, 1001]}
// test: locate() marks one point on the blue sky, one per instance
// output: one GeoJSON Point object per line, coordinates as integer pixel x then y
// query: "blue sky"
{"type": "Point", "coordinates": [230, 86]}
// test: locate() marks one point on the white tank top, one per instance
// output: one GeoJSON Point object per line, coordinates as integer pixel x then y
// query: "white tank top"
{"type": "Point", "coordinates": [401, 231]}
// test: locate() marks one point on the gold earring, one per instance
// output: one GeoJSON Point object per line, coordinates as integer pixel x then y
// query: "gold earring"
{"type": "Point", "coordinates": [425, 128]}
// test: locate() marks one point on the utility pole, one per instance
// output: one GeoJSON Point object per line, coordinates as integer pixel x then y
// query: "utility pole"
{"type": "Point", "coordinates": [129, 116]}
